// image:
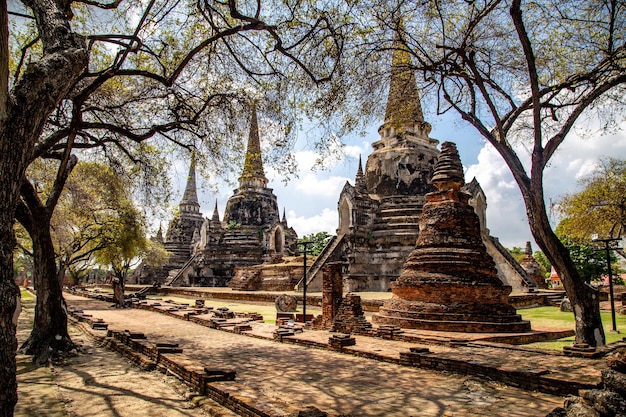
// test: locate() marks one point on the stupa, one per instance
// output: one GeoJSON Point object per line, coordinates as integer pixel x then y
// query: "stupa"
{"type": "Point", "coordinates": [378, 215]}
{"type": "Point", "coordinates": [532, 268]}
{"type": "Point", "coordinates": [251, 232]}
{"type": "Point", "coordinates": [187, 223]}
{"type": "Point", "coordinates": [449, 282]}
{"type": "Point", "coordinates": [182, 233]}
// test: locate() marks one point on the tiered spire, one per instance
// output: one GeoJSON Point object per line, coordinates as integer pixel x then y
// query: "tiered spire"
{"type": "Point", "coordinates": [404, 119]}
{"type": "Point", "coordinates": [215, 222]}
{"type": "Point", "coordinates": [253, 174]}
{"type": "Point", "coordinates": [216, 213]}
{"type": "Point", "coordinates": [359, 180]}
{"type": "Point", "coordinates": [403, 103]}
{"type": "Point", "coordinates": [448, 173]}
{"type": "Point", "coordinates": [528, 251]}
{"type": "Point", "coordinates": [189, 202]}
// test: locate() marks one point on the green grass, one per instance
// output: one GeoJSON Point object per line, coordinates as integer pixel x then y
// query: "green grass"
{"type": "Point", "coordinates": [553, 318]}
{"type": "Point", "coordinates": [27, 296]}
{"type": "Point", "coordinates": [268, 311]}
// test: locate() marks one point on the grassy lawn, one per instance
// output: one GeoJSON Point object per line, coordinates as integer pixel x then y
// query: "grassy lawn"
{"type": "Point", "coordinates": [268, 311]}
{"type": "Point", "coordinates": [27, 296]}
{"type": "Point", "coordinates": [553, 318]}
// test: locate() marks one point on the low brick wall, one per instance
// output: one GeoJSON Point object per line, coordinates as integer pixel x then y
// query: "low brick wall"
{"type": "Point", "coordinates": [538, 379]}
{"type": "Point", "coordinates": [532, 380]}
{"type": "Point", "coordinates": [529, 300]}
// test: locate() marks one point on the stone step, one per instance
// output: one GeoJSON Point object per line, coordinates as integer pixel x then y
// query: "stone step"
{"type": "Point", "coordinates": [400, 211]}
{"type": "Point", "coordinates": [395, 226]}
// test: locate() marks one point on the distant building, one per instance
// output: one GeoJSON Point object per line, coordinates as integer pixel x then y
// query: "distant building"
{"type": "Point", "coordinates": [251, 233]}
{"type": "Point", "coordinates": [554, 281]}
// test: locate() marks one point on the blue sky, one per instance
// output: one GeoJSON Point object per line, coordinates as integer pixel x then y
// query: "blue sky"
{"type": "Point", "coordinates": [311, 199]}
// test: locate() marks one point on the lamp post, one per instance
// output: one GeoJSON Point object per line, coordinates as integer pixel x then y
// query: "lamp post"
{"type": "Point", "coordinates": [305, 250]}
{"type": "Point", "coordinates": [607, 248]}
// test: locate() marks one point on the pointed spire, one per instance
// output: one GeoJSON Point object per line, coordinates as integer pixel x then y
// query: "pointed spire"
{"type": "Point", "coordinates": [528, 251]}
{"type": "Point", "coordinates": [448, 173]}
{"type": "Point", "coordinates": [403, 103]}
{"type": "Point", "coordinates": [215, 223]}
{"type": "Point", "coordinates": [359, 180]}
{"type": "Point", "coordinates": [159, 235]}
{"type": "Point", "coordinates": [253, 174]}
{"type": "Point", "coordinates": [189, 203]}
{"type": "Point", "coordinates": [216, 213]}
{"type": "Point", "coordinates": [284, 220]}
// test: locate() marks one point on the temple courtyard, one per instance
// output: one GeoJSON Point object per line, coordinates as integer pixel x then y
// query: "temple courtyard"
{"type": "Point", "coordinates": [420, 374]}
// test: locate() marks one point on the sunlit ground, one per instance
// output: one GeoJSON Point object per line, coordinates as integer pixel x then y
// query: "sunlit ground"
{"type": "Point", "coordinates": [540, 317]}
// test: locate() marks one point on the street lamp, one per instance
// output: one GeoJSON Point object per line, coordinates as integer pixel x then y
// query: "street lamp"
{"type": "Point", "coordinates": [607, 248]}
{"type": "Point", "coordinates": [304, 243]}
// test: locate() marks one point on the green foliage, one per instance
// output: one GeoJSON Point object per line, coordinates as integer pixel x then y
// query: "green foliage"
{"type": "Point", "coordinates": [600, 207]}
{"type": "Point", "coordinates": [23, 253]}
{"type": "Point", "coordinates": [128, 242]}
{"type": "Point", "coordinates": [590, 261]}
{"type": "Point", "coordinates": [233, 225]}
{"type": "Point", "coordinates": [155, 254]}
{"type": "Point", "coordinates": [95, 221]}
{"type": "Point", "coordinates": [543, 262]}
{"type": "Point", "coordinates": [319, 239]}
{"type": "Point", "coordinates": [517, 253]}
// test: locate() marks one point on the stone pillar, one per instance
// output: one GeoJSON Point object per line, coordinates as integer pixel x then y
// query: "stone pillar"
{"type": "Point", "coordinates": [332, 291]}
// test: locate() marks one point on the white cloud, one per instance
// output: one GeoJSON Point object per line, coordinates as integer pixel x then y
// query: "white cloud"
{"type": "Point", "coordinates": [506, 213]}
{"type": "Point", "coordinates": [326, 221]}
{"type": "Point", "coordinates": [312, 184]}
{"type": "Point", "coordinates": [506, 216]}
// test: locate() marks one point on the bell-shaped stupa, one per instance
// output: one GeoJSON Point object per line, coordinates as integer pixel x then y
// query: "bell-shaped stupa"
{"type": "Point", "coordinates": [449, 282]}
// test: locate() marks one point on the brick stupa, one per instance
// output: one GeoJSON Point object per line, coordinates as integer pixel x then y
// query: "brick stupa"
{"type": "Point", "coordinates": [449, 281]}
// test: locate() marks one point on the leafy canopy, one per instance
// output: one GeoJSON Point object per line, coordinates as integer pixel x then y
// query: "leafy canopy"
{"type": "Point", "coordinates": [600, 207]}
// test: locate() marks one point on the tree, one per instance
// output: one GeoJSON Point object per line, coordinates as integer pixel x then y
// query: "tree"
{"type": "Point", "coordinates": [127, 244]}
{"type": "Point", "coordinates": [590, 262]}
{"type": "Point", "coordinates": [174, 64]}
{"type": "Point", "coordinates": [600, 207]}
{"type": "Point", "coordinates": [23, 113]}
{"type": "Point", "coordinates": [49, 334]}
{"type": "Point", "coordinates": [498, 65]}
{"type": "Point", "coordinates": [517, 253]}
{"type": "Point", "coordinates": [319, 239]}
{"type": "Point", "coordinates": [83, 223]}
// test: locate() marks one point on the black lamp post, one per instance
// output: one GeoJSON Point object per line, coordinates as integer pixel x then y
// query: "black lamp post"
{"type": "Point", "coordinates": [607, 248]}
{"type": "Point", "coordinates": [305, 250]}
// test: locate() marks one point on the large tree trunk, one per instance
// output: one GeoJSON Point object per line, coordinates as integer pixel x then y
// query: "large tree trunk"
{"type": "Point", "coordinates": [40, 88]}
{"type": "Point", "coordinates": [584, 299]}
{"type": "Point", "coordinates": [9, 293]}
{"type": "Point", "coordinates": [49, 335]}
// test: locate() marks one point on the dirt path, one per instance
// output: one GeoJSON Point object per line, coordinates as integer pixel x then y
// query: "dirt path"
{"type": "Point", "coordinates": [98, 383]}
{"type": "Point", "coordinates": [292, 376]}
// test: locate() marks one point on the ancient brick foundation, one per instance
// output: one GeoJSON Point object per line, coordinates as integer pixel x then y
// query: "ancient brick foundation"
{"type": "Point", "coordinates": [457, 308]}
{"type": "Point", "coordinates": [449, 282]}
{"type": "Point", "coordinates": [350, 317]}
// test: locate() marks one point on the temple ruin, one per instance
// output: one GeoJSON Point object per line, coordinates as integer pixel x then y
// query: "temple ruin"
{"type": "Point", "coordinates": [449, 282]}
{"type": "Point", "coordinates": [378, 215]}
{"type": "Point", "coordinates": [206, 252]}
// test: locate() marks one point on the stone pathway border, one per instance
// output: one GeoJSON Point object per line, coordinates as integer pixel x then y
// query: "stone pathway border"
{"type": "Point", "coordinates": [549, 373]}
